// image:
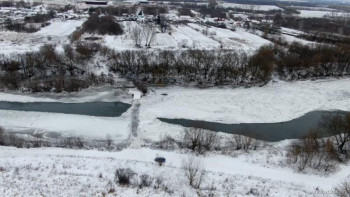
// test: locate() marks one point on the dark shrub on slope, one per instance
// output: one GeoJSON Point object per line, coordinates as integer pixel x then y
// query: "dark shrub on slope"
{"type": "Point", "coordinates": [102, 25]}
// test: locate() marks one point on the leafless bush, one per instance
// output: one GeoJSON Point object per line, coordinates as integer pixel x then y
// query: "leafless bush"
{"type": "Point", "coordinates": [338, 126]}
{"type": "Point", "coordinates": [145, 181]}
{"type": "Point", "coordinates": [73, 142]}
{"type": "Point", "coordinates": [194, 171]}
{"type": "Point", "coordinates": [137, 36]}
{"type": "Point", "coordinates": [312, 152]}
{"type": "Point", "coordinates": [109, 140]}
{"type": "Point", "coordinates": [167, 143]}
{"type": "Point", "coordinates": [244, 142]}
{"type": "Point", "coordinates": [37, 142]}
{"type": "Point", "coordinates": [199, 140]}
{"type": "Point", "coordinates": [343, 190]}
{"type": "Point", "coordinates": [123, 176]}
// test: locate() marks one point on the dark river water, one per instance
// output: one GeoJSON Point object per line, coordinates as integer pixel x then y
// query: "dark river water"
{"type": "Point", "coordinates": [272, 132]}
{"type": "Point", "coordinates": [104, 109]}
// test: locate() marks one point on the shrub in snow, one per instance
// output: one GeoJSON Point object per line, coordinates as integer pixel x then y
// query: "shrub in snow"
{"type": "Point", "coordinates": [194, 171]}
{"type": "Point", "coordinates": [244, 142]}
{"type": "Point", "coordinates": [343, 190]}
{"type": "Point", "coordinates": [310, 151]}
{"type": "Point", "coordinates": [200, 140]}
{"type": "Point", "coordinates": [145, 181]}
{"type": "Point", "coordinates": [158, 182]}
{"type": "Point", "coordinates": [123, 176]}
{"type": "Point", "coordinates": [338, 126]}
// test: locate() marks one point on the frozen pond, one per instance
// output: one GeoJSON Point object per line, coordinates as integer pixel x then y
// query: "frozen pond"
{"type": "Point", "coordinates": [265, 131]}
{"type": "Point", "coordinates": [103, 109]}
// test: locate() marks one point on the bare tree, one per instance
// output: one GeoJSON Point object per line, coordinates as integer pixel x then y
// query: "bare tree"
{"type": "Point", "coordinates": [338, 126]}
{"type": "Point", "coordinates": [310, 151]}
{"type": "Point", "coordinates": [136, 35]}
{"type": "Point", "coordinates": [149, 32]}
{"type": "Point", "coordinates": [194, 171]}
{"type": "Point", "coordinates": [192, 138]}
{"type": "Point", "coordinates": [244, 142]}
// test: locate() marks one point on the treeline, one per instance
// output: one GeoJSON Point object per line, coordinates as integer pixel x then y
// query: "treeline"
{"type": "Point", "coordinates": [298, 61]}
{"type": "Point", "coordinates": [49, 71]}
{"type": "Point", "coordinates": [194, 66]}
{"type": "Point", "coordinates": [19, 4]}
{"type": "Point", "coordinates": [129, 10]}
{"type": "Point", "coordinates": [337, 26]}
{"type": "Point", "coordinates": [29, 24]}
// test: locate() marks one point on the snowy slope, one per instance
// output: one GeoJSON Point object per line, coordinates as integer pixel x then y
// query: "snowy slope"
{"type": "Point", "coordinates": [64, 172]}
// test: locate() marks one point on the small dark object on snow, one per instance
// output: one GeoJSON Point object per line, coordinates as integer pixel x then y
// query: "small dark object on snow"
{"type": "Point", "coordinates": [160, 160]}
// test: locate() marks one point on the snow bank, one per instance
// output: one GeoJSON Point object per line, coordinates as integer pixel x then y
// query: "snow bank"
{"type": "Point", "coordinates": [60, 28]}
{"type": "Point", "coordinates": [320, 14]}
{"type": "Point", "coordinates": [67, 124]}
{"type": "Point", "coordinates": [250, 6]}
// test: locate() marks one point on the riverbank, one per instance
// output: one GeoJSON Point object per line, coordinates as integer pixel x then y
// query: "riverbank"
{"type": "Point", "coordinates": [275, 102]}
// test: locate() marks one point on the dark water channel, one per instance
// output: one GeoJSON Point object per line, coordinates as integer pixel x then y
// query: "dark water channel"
{"type": "Point", "coordinates": [272, 132]}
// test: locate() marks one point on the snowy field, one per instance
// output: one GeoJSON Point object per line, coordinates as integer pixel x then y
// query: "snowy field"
{"type": "Point", "coordinates": [237, 40]}
{"type": "Point", "coordinates": [321, 14]}
{"type": "Point", "coordinates": [66, 172]}
{"type": "Point", "coordinates": [250, 6]}
{"type": "Point", "coordinates": [55, 33]}
{"type": "Point", "coordinates": [68, 124]}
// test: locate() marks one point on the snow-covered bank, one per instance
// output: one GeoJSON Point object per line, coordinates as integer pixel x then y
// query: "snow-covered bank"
{"type": "Point", "coordinates": [99, 94]}
{"type": "Point", "coordinates": [68, 124]}
{"type": "Point", "coordinates": [65, 172]}
{"type": "Point", "coordinates": [276, 102]}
